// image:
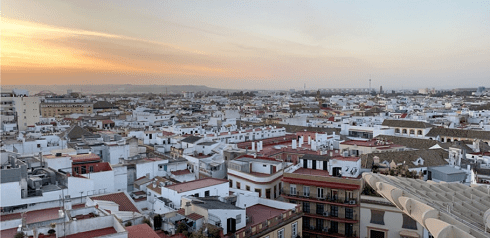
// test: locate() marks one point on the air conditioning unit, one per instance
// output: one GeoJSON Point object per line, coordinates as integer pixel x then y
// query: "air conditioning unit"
{"type": "Point", "coordinates": [352, 202]}
{"type": "Point", "coordinates": [325, 213]}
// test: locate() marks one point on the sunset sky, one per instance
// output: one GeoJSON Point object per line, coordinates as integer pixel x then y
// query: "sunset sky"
{"type": "Point", "coordinates": [247, 44]}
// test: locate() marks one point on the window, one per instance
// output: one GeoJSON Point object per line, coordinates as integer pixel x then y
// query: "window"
{"type": "Point", "coordinates": [239, 218]}
{"type": "Point", "coordinates": [306, 207]}
{"type": "Point", "coordinates": [377, 217]}
{"type": "Point", "coordinates": [247, 188]}
{"type": "Point", "coordinates": [412, 132]}
{"type": "Point", "coordinates": [38, 145]}
{"type": "Point", "coordinates": [84, 169]}
{"type": "Point", "coordinates": [319, 224]}
{"type": "Point", "coordinates": [349, 229]}
{"type": "Point", "coordinates": [280, 233]}
{"type": "Point", "coordinates": [268, 193]}
{"type": "Point", "coordinates": [162, 167]}
{"type": "Point", "coordinates": [259, 191]}
{"type": "Point", "coordinates": [206, 193]}
{"type": "Point", "coordinates": [294, 229]}
{"type": "Point", "coordinates": [91, 169]}
{"type": "Point", "coordinates": [334, 227]}
{"type": "Point", "coordinates": [334, 211]}
{"type": "Point", "coordinates": [306, 191]}
{"type": "Point", "coordinates": [409, 223]}
{"type": "Point", "coordinates": [306, 223]}
{"type": "Point", "coordinates": [349, 213]}
{"type": "Point", "coordinates": [231, 183]}
{"type": "Point", "coordinates": [419, 132]}
{"type": "Point", "coordinates": [292, 189]}
{"type": "Point", "coordinates": [76, 170]}
{"type": "Point", "coordinates": [348, 195]}
{"type": "Point", "coordinates": [196, 195]}
{"type": "Point", "coordinates": [238, 185]}
{"type": "Point", "coordinates": [319, 209]}
{"type": "Point", "coordinates": [320, 192]}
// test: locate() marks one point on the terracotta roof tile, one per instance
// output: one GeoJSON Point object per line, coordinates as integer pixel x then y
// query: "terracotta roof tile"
{"type": "Point", "coordinates": [180, 172]}
{"type": "Point", "coordinates": [94, 233]}
{"type": "Point", "coordinates": [141, 231]}
{"type": "Point", "coordinates": [181, 211]}
{"type": "Point", "coordinates": [125, 203]}
{"type": "Point", "coordinates": [194, 216]}
{"type": "Point", "coordinates": [195, 184]}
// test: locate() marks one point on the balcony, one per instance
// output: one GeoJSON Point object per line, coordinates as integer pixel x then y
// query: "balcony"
{"type": "Point", "coordinates": [328, 216]}
{"type": "Point", "coordinates": [325, 200]}
{"type": "Point", "coordinates": [325, 232]}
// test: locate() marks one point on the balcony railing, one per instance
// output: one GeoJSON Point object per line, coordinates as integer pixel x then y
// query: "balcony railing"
{"type": "Point", "coordinates": [326, 231]}
{"type": "Point", "coordinates": [312, 197]}
{"type": "Point", "coordinates": [327, 215]}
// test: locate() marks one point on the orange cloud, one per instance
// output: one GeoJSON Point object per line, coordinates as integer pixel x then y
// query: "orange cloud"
{"type": "Point", "coordinates": [28, 47]}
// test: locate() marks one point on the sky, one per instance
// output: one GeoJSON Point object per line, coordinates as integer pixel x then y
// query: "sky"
{"type": "Point", "coordinates": [247, 44]}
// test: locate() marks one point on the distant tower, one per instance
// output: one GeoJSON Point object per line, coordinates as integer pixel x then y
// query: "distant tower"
{"type": "Point", "coordinates": [380, 89]}
{"type": "Point", "coordinates": [369, 85]}
{"type": "Point", "coordinates": [304, 88]}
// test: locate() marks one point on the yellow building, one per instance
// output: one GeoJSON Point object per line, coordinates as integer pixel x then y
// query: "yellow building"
{"type": "Point", "coordinates": [21, 110]}
{"type": "Point", "coordinates": [55, 109]}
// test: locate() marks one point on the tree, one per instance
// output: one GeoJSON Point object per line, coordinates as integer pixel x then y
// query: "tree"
{"type": "Point", "coordinates": [181, 227]}
{"type": "Point", "coordinates": [212, 232]}
{"type": "Point", "coordinates": [19, 235]}
{"type": "Point", "coordinates": [147, 221]}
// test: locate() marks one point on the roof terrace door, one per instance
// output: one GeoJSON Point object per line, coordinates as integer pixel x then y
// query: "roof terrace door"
{"type": "Point", "coordinates": [313, 164]}
{"type": "Point", "coordinates": [231, 225]}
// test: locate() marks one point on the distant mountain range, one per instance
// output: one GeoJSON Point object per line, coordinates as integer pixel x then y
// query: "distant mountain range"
{"type": "Point", "coordinates": [114, 88]}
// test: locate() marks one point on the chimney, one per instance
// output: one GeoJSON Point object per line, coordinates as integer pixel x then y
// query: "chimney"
{"type": "Point", "coordinates": [331, 154]}
{"type": "Point", "coordinates": [12, 161]}
{"type": "Point", "coordinates": [253, 145]}
{"type": "Point", "coordinates": [313, 145]}
{"type": "Point", "coordinates": [293, 146]}
{"type": "Point", "coordinates": [300, 141]}
{"type": "Point", "coordinates": [309, 140]}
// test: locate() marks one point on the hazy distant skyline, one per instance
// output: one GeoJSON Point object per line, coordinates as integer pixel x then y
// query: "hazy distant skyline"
{"type": "Point", "coordinates": [249, 44]}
